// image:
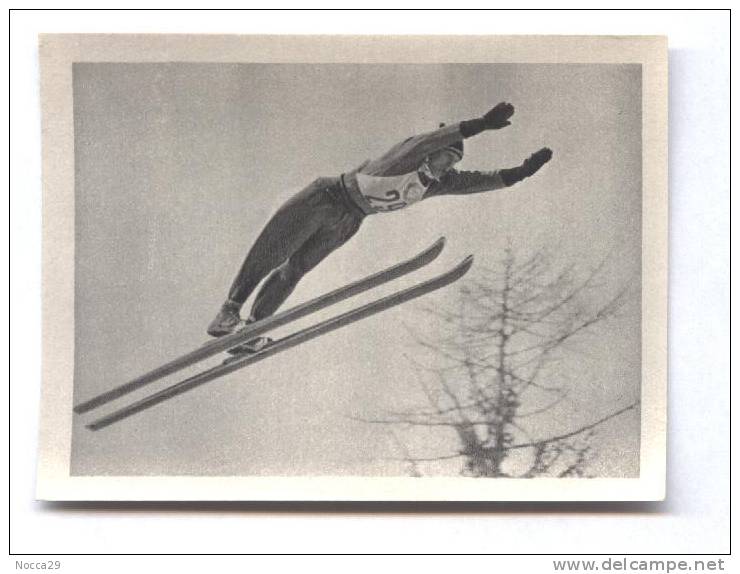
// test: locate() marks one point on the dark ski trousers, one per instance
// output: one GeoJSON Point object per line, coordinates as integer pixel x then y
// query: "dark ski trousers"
{"type": "Point", "coordinates": [309, 226]}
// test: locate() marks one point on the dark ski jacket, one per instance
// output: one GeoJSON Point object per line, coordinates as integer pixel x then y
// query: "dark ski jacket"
{"type": "Point", "coordinates": [409, 155]}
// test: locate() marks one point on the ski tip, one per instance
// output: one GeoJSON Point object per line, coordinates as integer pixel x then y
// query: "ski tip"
{"type": "Point", "coordinates": [458, 270]}
{"type": "Point", "coordinates": [465, 265]}
{"type": "Point", "coordinates": [436, 248]}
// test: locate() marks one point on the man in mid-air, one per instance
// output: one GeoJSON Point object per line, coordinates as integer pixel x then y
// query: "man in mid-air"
{"type": "Point", "coordinates": [327, 213]}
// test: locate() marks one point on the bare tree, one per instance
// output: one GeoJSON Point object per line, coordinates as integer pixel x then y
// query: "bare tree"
{"type": "Point", "coordinates": [496, 368]}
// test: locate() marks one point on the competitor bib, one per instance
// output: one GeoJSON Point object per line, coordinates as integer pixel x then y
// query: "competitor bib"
{"type": "Point", "coordinates": [391, 193]}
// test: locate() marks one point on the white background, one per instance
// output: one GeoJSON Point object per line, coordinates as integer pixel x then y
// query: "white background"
{"type": "Point", "coordinates": [695, 517]}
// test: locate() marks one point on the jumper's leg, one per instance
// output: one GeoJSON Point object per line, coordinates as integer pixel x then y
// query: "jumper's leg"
{"type": "Point", "coordinates": [288, 229]}
{"type": "Point", "coordinates": [283, 280]}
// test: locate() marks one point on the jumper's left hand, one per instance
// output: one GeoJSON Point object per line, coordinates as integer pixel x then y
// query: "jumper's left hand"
{"type": "Point", "coordinates": [498, 116]}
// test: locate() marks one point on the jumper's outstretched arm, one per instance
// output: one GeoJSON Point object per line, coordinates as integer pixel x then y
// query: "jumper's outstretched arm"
{"type": "Point", "coordinates": [465, 182]}
{"type": "Point", "coordinates": [407, 155]}
{"type": "Point", "coordinates": [494, 119]}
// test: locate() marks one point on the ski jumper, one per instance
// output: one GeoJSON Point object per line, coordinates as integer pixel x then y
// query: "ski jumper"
{"type": "Point", "coordinates": [327, 213]}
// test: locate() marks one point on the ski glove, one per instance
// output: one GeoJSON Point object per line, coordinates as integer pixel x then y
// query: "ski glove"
{"type": "Point", "coordinates": [530, 166]}
{"type": "Point", "coordinates": [496, 118]}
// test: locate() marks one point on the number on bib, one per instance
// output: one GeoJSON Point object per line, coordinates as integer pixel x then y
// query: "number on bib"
{"type": "Point", "coordinates": [388, 203]}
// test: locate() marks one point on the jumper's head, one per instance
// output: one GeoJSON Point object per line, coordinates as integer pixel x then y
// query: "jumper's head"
{"type": "Point", "coordinates": [443, 159]}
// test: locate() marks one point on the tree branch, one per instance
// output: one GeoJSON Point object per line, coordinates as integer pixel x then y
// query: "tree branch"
{"type": "Point", "coordinates": [575, 432]}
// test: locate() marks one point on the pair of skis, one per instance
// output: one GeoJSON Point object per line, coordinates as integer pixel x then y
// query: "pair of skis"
{"type": "Point", "coordinates": [253, 330]}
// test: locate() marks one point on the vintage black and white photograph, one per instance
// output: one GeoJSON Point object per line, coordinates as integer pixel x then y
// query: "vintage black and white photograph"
{"type": "Point", "coordinates": [380, 269]}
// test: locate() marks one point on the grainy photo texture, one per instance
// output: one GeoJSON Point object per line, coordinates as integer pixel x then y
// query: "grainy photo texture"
{"type": "Point", "coordinates": [341, 271]}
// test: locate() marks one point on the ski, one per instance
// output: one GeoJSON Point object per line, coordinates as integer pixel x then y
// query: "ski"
{"type": "Point", "coordinates": [221, 344]}
{"type": "Point", "coordinates": [288, 342]}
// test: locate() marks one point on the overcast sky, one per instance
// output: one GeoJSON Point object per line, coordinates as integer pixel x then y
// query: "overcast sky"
{"type": "Point", "coordinates": [178, 167]}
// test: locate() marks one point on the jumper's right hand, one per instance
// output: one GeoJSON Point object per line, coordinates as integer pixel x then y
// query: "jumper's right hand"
{"type": "Point", "coordinates": [535, 161]}
{"type": "Point", "coordinates": [498, 116]}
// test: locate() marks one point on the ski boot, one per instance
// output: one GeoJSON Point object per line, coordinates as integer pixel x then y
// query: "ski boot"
{"type": "Point", "coordinates": [226, 321]}
{"type": "Point", "coordinates": [249, 348]}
